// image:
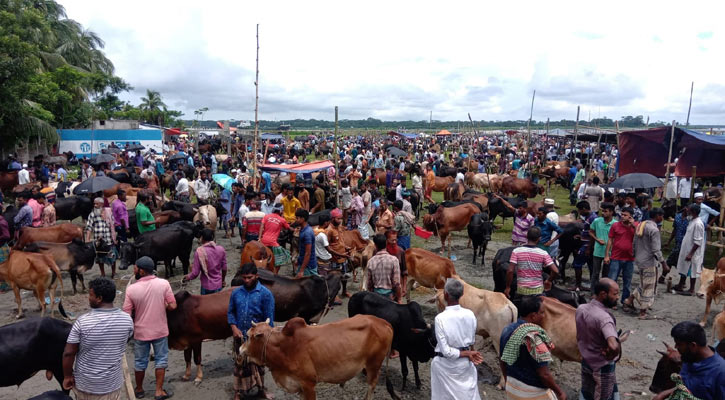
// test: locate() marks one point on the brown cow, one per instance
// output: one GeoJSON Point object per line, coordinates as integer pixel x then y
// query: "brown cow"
{"type": "Point", "coordinates": [441, 183]}
{"type": "Point", "coordinates": [559, 322]}
{"type": "Point", "coordinates": [511, 185]}
{"type": "Point", "coordinates": [454, 192]}
{"type": "Point", "coordinates": [32, 271]}
{"type": "Point", "coordinates": [299, 356]}
{"type": "Point", "coordinates": [61, 233]}
{"type": "Point", "coordinates": [354, 240]}
{"type": "Point", "coordinates": [712, 284]}
{"type": "Point", "coordinates": [448, 219]}
{"type": "Point", "coordinates": [426, 268]}
{"type": "Point", "coordinates": [481, 199]}
{"type": "Point", "coordinates": [8, 180]}
{"type": "Point", "coordinates": [130, 190]}
{"type": "Point", "coordinates": [166, 217]}
{"type": "Point", "coordinates": [254, 251]}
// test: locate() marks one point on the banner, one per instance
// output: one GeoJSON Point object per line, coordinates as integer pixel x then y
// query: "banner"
{"type": "Point", "coordinates": [86, 142]}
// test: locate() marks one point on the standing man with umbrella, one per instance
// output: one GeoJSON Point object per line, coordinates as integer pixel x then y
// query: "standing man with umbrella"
{"type": "Point", "coordinates": [98, 232]}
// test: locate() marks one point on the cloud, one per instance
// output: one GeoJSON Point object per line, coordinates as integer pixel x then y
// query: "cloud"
{"type": "Point", "coordinates": [589, 35]}
{"type": "Point", "coordinates": [704, 35]}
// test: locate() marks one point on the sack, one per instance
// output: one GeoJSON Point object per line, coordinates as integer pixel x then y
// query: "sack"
{"type": "Point", "coordinates": [365, 230]}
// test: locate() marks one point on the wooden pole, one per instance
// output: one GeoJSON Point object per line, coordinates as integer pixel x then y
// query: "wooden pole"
{"type": "Point", "coordinates": [692, 87]}
{"type": "Point", "coordinates": [528, 128]}
{"type": "Point", "coordinates": [576, 133]}
{"type": "Point", "coordinates": [692, 183]}
{"type": "Point", "coordinates": [669, 157]}
{"type": "Point", "coordinates": [616, 132]}
{"type": "Point", "coordinates": [337, 164]}
{"type": "Point", "coordinates": [256, 118]}
{"type": "Point", "coordinates": [647, 124]}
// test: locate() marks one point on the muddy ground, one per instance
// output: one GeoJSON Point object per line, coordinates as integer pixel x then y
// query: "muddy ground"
{"type": "Point", "coordinates": [634, 371]}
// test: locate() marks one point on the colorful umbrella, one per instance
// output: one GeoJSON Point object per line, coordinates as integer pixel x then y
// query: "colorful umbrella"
{"type": "Point", "coordinates": [223, 180]}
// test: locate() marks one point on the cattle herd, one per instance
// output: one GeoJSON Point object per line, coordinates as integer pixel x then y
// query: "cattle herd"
{"type": "Point", "coordinates": [41, 256]}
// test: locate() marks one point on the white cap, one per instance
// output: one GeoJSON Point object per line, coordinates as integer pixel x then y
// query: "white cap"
{"type": "Point", "coordinates": [549, 202]}
{"type": "Point", "coordinates": [698, 194]}
{"type": "Point", "coordinates": [25, 165]}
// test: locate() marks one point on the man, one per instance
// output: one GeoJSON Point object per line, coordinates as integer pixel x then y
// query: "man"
{"type": "Point", "coordinates": [290, 204]}
{"type": "Point", "coordinates": [24, 217]}
{"type": "Point", "coordinates": [523, 221]}
{"type": "Point", "coordinates": [621, 258]}
{"type": "Point", "coordinates": [211, 259]}
{"type": "Point", "coordinates": [599, 232]}
{"type": "Point", "coordinates": [594, 194]}
{"type": "Point", "coordinates": [399, 187]}
{"type": "Point", "coordinates": [14, 164]}
{"type": "Point", "coordinates": [98, 232]}
{"type": "Point", "coordinates": [237, 203]}
{"type": "Point", "coordinates": [703, 370]}
{"type": "Point", "coordinates": [630, 200]}
{"type": "Point", "coordinates": [647, 255]}
{"type": "Point", "coordinates": [49, 216]}
{"type": "Point", "coordinates": [357, 207]}
{"type": "Point", "coordinates": [384, 271]}
{"type": "Point", "coordinates": [120, 216]}
{"type": "Point", "coordinates": [86, 171]}
{"type": "Point", "coordinates": [61, 173]}
{"type": "Point", "coordinates": [36, 203]}
{"type": "Point", "coordinates": [249, 304]}
{"type": "Point", "coordinates": [395, 250]}
{"type": "Point", "coordinates": [147, 301]}
{"type": "Point", "coordinates": [252, 222]}
{"type": "Point", "coordinates": [264, 204]}
{"type": "Point", "coordinates": [145, 221]}
{"type": "Point", "coordinates": [303, 195]}
{"type": "Point", "coordinates": [307, 261]}
{"type": "Point", "coordinates": [385, 217]}
{"type": "Point", "coordinates": [453, 370]}
{"type": "Point", "coordinates": [267, 180]}
{"type": "Point", "coordinates": [706, 211]}
{"type": "Point", "coordinates": [430, 180]}
{"type": "Point", "coordinates": [272, 225]}
{"type": "Point", "coordinates": [202, 188]}
{"type": "Point", "coordinates": [407, 207]}
{"type": "Point", "coordinates": [692, 251]}
{"type": "Point", "coordinates": [319, 197]}
{"type": "Point", "coordinates": [459, 177]}
{"type": "Point", "coordinates": [24, 175]}
{"type": "Point", "coordinates": [526, 353]}
{"type": "Point", "coordinates": [553, 217]}
{"type": "Point", "coordinates": [598, 342]}
{"type": "Point", "coordinates": [529, 261]}
{"type": "Point", "coordinates": [547, 227]}
{"type": "Point", "coordinates": [402, 224]}
{"type": "Point", "coordinates": [354, 176]}
{"type": "Point", "coordinates": [225, 199]}
{"type": "Point", "coordinates": [96, 344]}
{"type": "Point", "coordinates": [182, 187]}
{"type": "Point", "coordinates": [679, 229]}
{"type": "Point", "coordinates": [684, 188]}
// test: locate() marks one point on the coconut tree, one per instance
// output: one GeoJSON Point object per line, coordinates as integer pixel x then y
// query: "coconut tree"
{"type": "Point", "coordinates": [153, 105]}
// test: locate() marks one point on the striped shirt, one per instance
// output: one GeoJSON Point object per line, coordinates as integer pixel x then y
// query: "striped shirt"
{"type": "Point", "coordinates": [530, 261]}
{"type": "Point", "coordinates": [521, 227]}
{"type": "Point", "coordinates": [102, 335]}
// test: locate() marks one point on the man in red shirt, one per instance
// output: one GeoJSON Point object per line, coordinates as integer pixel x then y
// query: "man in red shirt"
{"type": "Point", "coordinates": [621, 236]}
{"type": "Point", "coordinates": [272, 225]}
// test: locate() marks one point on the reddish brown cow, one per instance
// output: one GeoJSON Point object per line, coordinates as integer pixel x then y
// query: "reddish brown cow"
{"type": "Point", "coordinates": [26, 187]}
{"type": "Point", "coordinates": [35, 272]}
{"type": "Point", "coordinates": [715, 286]}
{"type": "Point", "coordinates": [449, 219]}
{"type": "Point", "coordinates": [166, 217]}
{"type": "Point", "coordinates": [8, 180]}
{"type": "Point", "coordinates": [254, 251]}
{"type": "Point", "coordinates": [427, 269]}
{"type": "Point", "coordinates": [62, 233]}
{"type": "Point", "coordinates": [441, 183]}
{"type": "Point", "coordinates": [511, 185]}
{"type": "Point", "coordinates": [454, 192]}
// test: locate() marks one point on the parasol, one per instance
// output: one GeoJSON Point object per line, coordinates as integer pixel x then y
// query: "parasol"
{"type": "Point", "coordinates": [636, 181]}
{"type": "Point", "coordinates": [95, 184]}
{"type": "Point", "coordinates": [223, 180]}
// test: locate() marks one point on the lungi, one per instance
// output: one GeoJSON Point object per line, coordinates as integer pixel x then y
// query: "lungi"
{"type": "Point", "coordinates": [80, 395]}
{"type": "Point", "coordinates": [599, 385]}
{"type": "Point", "coordinates": [404, 242]}
{"type": "Point", "coordinates": [517, 390]}
{"type": "Point", "coordinates": [281, 256]}
{"type": "Point", "coordinates": [247, 375]}
{"type": "Point", "coordinates": [644, 295]}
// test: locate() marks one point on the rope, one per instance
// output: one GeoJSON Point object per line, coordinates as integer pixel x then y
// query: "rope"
{"type": "Point", "coordinates": [327, 303]}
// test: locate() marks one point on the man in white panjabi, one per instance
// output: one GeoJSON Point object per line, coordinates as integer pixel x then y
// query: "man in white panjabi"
{"type": "Point", "coordinates": [453, 370]}
{"type": "Point", "coordinates": [692, 251]}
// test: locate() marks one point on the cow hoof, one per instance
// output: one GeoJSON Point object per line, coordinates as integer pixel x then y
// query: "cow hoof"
{"type": "Point", "coordinates": [19, 316]}
{"type": "Point", "coordinates": [197, 381]}
{"type": "Point", "coordinates": [703, 323]}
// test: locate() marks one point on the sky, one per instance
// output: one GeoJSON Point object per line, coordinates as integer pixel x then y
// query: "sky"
{"type": "Point", "coordinates": [402, 60]}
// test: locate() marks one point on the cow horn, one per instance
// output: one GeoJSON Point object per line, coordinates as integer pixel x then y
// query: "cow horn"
{"type": "Point", "coordinates": [267, 321]}
{"type": "Point", "coordinates": [661, 352]}
{"type": "Point", "coordinates": [667, 345]}
{"type": "Point", "coordinates": [254, 324]}
{"type": "Point", "coordinates": [427, 326]}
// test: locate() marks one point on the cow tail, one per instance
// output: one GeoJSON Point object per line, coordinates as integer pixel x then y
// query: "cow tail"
{"type": "Point", "coordinates": [388, 383]}
{"type": "Point", "coordinates": [56, 273]}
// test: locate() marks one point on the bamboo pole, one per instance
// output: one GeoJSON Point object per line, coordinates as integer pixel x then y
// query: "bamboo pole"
{"type": "Point", "coordinates": [528, 128]}
{"type": "Point", "coordinates": [692, 87]}
{"type": "Point", "coordinates": [256, 118]}
{"type": "Point", "coordinates": [337, 164]}
{"type": "Point", "coordinates": [669, 157]}
{"type": "Point", "coordinates": [692, 183]}
{"type": "Point", "coordinates": [576, 133]}
{"type": "Point", "coordinates": [721, 237]}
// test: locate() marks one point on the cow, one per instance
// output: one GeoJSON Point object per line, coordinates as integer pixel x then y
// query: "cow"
{"type": "Point", "coordinates": [314, 219]}
{"type": "Point", "coordinates": [35, 272]}
{"type": "Point", "coordinates": [713, 287]}
{"type": "Point", "coordinates": [163, 244]}
{"type": "Point", "coordinates": [64, 189]}
{"type": "Point", "coordinates": [479, 231]}
{"type": "Point", "coordinates": [558, 172]}
{"type": "Point", "coordinates": [560, 323]}
{"type": "Point", "coordinates": [493, 312]}
{"type": "Point", "coordinates": [426, 268]}
{"type": "Point", "coordinates": [446, 220]}
{"type": "Point", "coordinates": [671, 363]}
{"type": "Point", "coordinates": [445, 171]}
{"type": "Point", "coordinates": [454, 192]}
{"type": "Point", "coordinates": [207, 215]}
{"type": "Point", "coordinates": [524, 187]}
{"type": "Point", "coordinates": [254, 251]}
{"type": "Point", "coordinates": [412, 337]}
{"type": "Point", "coordinates": [486, 181]}
{"type": "Point", "coordinates": [334, 353]}
{"type": "Point", "coordinates": [70, 208]}
{"type": "Point", "coordinates": [61, 233]}
{"type": "Point", "coordinates": [187, 210]}
{"type": "Point", "coordinates": [76, 257]}
{"type": "Point", "coordinates": [670, 208]}
{"type": "Point", "coordinates": [8, 180]}
{"type": "Point", "coordinates": [440, 184]}
{"type": "Point", "coordinates": [32, 345]}
{"type": "Point", "coordinates": [309, 297]}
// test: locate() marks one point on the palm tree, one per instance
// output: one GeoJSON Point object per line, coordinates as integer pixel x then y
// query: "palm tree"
{"type": "Point", "coordinates": [153, 105]}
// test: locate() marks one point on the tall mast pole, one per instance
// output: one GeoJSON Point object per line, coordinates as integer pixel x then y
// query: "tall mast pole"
{"type": "Point", "coordinates": [337, 164]}
{"type": "Point", "coordinates": [256, 118]}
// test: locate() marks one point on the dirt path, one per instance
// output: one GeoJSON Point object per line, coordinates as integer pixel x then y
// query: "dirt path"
{"type": "Point", "coordinates": [634, 371]}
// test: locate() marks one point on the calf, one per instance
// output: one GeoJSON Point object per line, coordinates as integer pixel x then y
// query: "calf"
{"type": "Point", "coordinates": [671, 363]}
{"type": "Point", "coordinates": [254, 251]}
{"type": "Point", "coordinates": [412, 337]}
{"type": "Point", "coordinates": [712, 283]}
{"type": "Point", "coordinates": [334, 353]}
{"type": "Point", "coordinates": [208, 216]}
{"type": "Point", "coordinates": [479, 231]}
{"type": "Point", "coordinates": [61, 233]}
{"type": "Point", "coordinates": [32, 271]}
{"type": "Point", "coordinates": [426, 268]}
{"type": "Point", "coordinates": [75, 257]}
{"type": "Point", "coordinates": [32, 345]}
{"type": "Point", "coordinates": [446, 220]}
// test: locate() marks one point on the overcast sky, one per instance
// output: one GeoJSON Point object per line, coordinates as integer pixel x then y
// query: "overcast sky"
{"type": "Point", "coordinates": [399, 60]}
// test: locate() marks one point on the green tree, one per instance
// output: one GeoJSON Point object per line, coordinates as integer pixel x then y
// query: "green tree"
{"type": "Point", "coordinates": [152, 106]}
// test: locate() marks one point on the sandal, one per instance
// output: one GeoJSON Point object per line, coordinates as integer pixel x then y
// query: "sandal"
{"type": "Point", "coordinates": [139, 395]}
{"type": "Point", "coordinates": [169, 394]}
{"type": "Point", "coordinates": [628, 308]}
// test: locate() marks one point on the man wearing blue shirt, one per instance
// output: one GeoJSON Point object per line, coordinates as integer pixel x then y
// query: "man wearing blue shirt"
{"type": "Point", "coordinates": [307, 260]}
{"type": "Point", "coordinates": [705, 210]}
{"type": "Point", "coordinates": [267, 177]}
{"type": "Point", "coordinates": [547, 227]}
{"type": "Point", "coordinates": [249, 304]}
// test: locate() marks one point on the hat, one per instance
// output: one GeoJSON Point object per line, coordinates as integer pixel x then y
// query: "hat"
{"type": "Point", "coordinates": [699, 194]}
{"type": "Point", "coordinates": [25, 165]}
{"type": "Point", "coordinates": [336, 213]}
{"type": "Point", "coordinates": [146, 263]}
{"type": "Point", "coordinates": [549, 202]}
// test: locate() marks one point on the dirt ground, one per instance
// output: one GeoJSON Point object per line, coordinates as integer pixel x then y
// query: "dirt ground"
{"type": "Point", "coordinates": [634, 371]}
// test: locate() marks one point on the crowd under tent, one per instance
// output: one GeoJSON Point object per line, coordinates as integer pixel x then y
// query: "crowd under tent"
{"type": "Point", "coordinates": [646, 151]}
{"type": "Point", "coordinates": [444, 132]}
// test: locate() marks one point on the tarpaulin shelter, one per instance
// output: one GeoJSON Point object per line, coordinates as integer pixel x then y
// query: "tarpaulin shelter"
{"type": "Point", "coordinates": [270, 136]}
{"type": "Point", "coordinates": [593, 136]}
{"type": "Point", "coordinates": [404, 135]}
{"type": "Point", "coordinates": [646, 151]}
{"type": "Point", "coordinates": [174, 131]}
{"type": "Point", "coordinates": [305, 168]}
{"type": "Point", "coordinates": [443, 133]}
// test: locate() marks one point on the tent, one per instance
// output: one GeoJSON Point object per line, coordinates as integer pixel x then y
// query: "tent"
{"type": "Point", "coordinates": [299, 168]}
{"type": "Point", "coordinates": [646, 151]}
{"type": "Point", "coordinates": [404, 135]}
{"type": "Point", "coordinates": [270, 136]}
{"type": "Point", "coordinates": [443, 133]}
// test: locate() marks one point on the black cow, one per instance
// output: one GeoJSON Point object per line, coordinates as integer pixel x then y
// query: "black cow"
{"type": "Point", "coordinates": [412, 337]}
{"type": "Point", "coordinates": [32, 345]}
{"type": "Point", "coordinates": [70, 208]}
{"type": "Point", "coordinates": [63, 189]}
{"type": "Point", "coordinates": [496, 207]}
{"type": "Point", "coordinates": [164, 244]}
{"type": "Point", "coordinates": [187, 210]}
{"type": "Point", "coordinates": [479, 231]}
{"type": "Point", "coordinates": [570, 241]}
{"type": "Point", "coordinates": [75, 257]}
{"type": "Point", "coordinates": [415, 203]}
{"type": "Point", "coordinates": [314, 219]}
{"type": "Point", "coordinates": [445, 170]}
{"type": "Point", "coordinates": [308, 298]}
{"type": "Point", "coordinates": [670, 208]}
{"type": "Point", "coordinates": [432, 207]}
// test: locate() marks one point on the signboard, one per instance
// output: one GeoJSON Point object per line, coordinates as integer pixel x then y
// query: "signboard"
{"type": "Point", "coordinates": [86, 142]}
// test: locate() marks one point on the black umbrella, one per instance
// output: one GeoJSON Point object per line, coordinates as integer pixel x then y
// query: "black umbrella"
{"type": "Point", "coordinates": [636, 181]}
{"type": "Point", "coordinates": [113, 150]}
{"type": "Point", "coordinates": [133, 147]}
{"type": "Point", "coordinates": [103, 158]}
{"type": "Point", "coordinates": [95, 184]}
{"type": "Point", "coordinates": [177, 156]}
{"type": "Point", "coordinates": [396, 152]}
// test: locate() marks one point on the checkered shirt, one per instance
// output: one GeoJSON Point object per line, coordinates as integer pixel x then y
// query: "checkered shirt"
{"type": "Point", "coordinates": [384, 271]}
{"type": "Point", "coordinates": [100, 229]}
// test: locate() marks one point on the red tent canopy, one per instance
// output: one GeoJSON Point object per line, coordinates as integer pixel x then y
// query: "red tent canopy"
{"type": "Point", "coordinates": [174, 131]}
{"type": "Point", "coordinates": [299, 168]}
